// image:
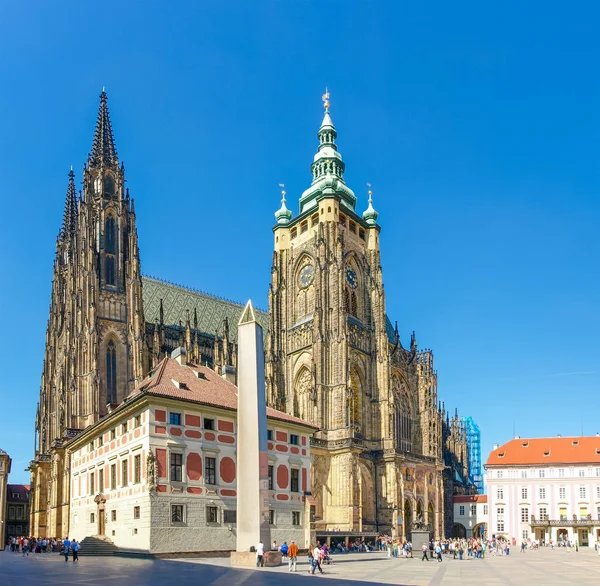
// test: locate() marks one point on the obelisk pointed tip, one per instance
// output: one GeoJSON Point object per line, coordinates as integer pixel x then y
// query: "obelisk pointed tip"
{"type": "Point", "coordinates": [248, 315]}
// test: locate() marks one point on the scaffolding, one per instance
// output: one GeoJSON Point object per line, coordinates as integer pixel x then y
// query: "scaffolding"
{"type": "Point", "coordinates": [474, 447]}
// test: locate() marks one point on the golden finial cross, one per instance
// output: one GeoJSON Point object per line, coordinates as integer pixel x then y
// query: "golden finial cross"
{"type": "Point", "coordinates": [282, 185]}
{"type": "Point", "coordinates": [325, 98]}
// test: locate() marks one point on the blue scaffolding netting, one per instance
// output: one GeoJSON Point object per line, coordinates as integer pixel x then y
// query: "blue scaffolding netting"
{"type": "Point", "coordinates": [474, 446]}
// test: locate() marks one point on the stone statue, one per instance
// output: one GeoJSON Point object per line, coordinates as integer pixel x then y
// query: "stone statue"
{"type": "Point", "coordinates": [151, 470]}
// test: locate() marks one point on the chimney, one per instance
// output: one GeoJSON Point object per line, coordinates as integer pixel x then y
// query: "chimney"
{"type": "Point", "coordinates": [228, 373]}
{"type": "Point", "coordinates": [496, 446]}
{"type": "Point", "coordinates": [179, 355]}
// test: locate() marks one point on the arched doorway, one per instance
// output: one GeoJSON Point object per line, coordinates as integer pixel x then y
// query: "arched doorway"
{"type": "Point", "coordinates": [408, 519]}
{"type": "Point", "coordinates": [479, 531]}
{"type": "Point", "coordinates": [562, 535]}
{"type": "Point", "coordinates": [459, 530]}
{"type": "Point", "coordinates": [431, 518]}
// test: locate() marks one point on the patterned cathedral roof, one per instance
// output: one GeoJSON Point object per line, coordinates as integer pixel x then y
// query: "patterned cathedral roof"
{"type": "Point", "coordinates": [177, 301]}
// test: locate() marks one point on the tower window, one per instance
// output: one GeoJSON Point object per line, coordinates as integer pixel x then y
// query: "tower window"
{"type": "Point", "coordinates": [110, 250]}
{"type": "Point", "coordinates": [111, 373]}
{"type": "Point", "coordinates": [352, 226]}
{"type": "Point", "coordinates": [315, 220]}
{"type": "Point", "coordinates": [361, 234]}
{"type": "Point", "coordinates": [303, 227]}
{"type": "Point", "coordinates": [342, 220]}
{"type": "Point", "coordinates": [294, 233]}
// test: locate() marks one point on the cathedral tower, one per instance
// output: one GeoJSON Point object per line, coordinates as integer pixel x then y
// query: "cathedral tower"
{"type": "Point", "coordinates": [95, 334]}
{"type": "Point", "coordinates": [334, 359]}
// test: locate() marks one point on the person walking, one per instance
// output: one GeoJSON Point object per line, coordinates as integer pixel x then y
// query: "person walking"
{"type": "Point", "coordinates": [438, 551]}
{"type": "Point", "coordinates": [292, 553]}
{"type": "Point", "coordinates": [75, 548]}
{"type": "Point", "coordinates": [66, 546]}
{"type": "Point", "coordinates": [316, 559]}
{"type": "Point", "coordinates": [260, 552]}
{"type": "Point", "coordinates": [25, 547]}
{"type": "Point", "coordinates": [284, 551]}
{"type": "Point", "coordinates": [424, 549]}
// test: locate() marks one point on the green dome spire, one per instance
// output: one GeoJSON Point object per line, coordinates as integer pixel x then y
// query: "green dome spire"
{"type": "Point", "coordinates": [283, 215]}
{"type": "Point", "coordinates": [327, 167]}
{"type": "Point", "coordinates": [370, 214]}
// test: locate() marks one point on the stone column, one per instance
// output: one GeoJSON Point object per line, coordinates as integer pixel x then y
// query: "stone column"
{"type": "Point", "coordinates": [252, 451]}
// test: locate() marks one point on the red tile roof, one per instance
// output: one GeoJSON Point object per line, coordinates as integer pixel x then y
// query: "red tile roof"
{"type": "Point", "coordinates": [209, 388]}
{"type": "Point", "coordinates": [547, 450]}
{"type": "Point", "coordinates": [471, 498]}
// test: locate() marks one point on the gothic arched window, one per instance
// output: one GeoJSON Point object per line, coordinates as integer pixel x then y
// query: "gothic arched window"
{"type": "Point", "coordinates": [304, 395]}
{"type": "Point", "coordinates": [354, 401]}
{"type": "Point", "coordinates": [111, 373]}
{"type": "Point", "coordinates": [110, 250]}
{"type": "Point", "coordinates": [402, 417]}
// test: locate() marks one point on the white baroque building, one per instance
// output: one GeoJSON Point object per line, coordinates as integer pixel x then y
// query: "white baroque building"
{"type": "Point", "coordinates": [471, 514]}
{"type": "Point", "coordinates": [546, 489]}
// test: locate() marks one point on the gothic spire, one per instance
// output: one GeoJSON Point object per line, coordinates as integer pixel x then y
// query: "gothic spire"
{"type": "Point", "coordinates": [370, 214]}
{"type": "Point", "coordinates": [70, 215]}
{"type": "Point", "coordinates": [327, 167]}
{"type": "Point", "coordinates": [103, 147]}
{"type": "Point", "coordinates": [283, 215]}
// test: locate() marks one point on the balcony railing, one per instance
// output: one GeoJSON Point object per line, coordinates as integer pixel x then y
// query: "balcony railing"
{"type": "Point", "coordinates": [564, 522]}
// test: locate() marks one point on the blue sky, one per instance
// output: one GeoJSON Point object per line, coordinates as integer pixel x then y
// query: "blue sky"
{"type": "Point", "coordinates": [476, 123]}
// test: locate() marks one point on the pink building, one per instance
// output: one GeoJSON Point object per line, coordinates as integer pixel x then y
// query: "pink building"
{"type": "Point", "coordinates": [158, 473]}
{"type": "Point", "coordinates": [546, 489]}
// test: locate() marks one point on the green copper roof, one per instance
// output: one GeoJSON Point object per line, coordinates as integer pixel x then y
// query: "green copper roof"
{"type": "Point", "coordinates": [177, 300]}
{"type": "Point", "coordinates": [327, 171]}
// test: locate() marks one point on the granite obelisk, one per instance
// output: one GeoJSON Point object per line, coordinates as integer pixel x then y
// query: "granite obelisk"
{"type": "Point", "coordinates": [252, 451]}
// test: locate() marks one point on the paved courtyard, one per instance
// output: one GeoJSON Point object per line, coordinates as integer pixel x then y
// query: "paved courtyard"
{"type": "Point", "coordinates": [544, 567]}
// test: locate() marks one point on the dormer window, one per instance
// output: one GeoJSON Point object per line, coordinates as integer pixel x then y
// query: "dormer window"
{"type": "Point", "coordinates": [501, 454]}
{"type": "Point", "coordinates": [575, 443]}
{"type": "Point", "coordinates": [546, 452]}
{"type": "Point", "coordinates": [525, 444]}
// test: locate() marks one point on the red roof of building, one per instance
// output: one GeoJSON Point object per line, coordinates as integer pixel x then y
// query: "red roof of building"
{"type": "Point", "coordinates": [547, 450]}
{"type": "Point", "coordinates": [470, 498]}
{"type": "Point", "coordinates": [199, 384]}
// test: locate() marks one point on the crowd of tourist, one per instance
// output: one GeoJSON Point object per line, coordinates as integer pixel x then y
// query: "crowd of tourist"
{"type": "Point", "coordinates": [26, 545]}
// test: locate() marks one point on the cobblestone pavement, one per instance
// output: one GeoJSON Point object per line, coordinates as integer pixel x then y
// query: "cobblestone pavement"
{"type": "Point", "coordinates": [544, 567]}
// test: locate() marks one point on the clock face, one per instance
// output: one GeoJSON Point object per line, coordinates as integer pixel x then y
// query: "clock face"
{"type": "Point", "coordinates": [351, 278]}
{"type": "Point", "coordinates": [306, 276]}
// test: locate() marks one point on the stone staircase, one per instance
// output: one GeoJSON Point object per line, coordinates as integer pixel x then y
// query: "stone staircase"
{"type": "Point", "coordinates": [97, 545]}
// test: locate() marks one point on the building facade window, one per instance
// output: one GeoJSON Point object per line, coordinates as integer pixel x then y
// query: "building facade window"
{"type": "Point", "coordinates": [500, 494]}
{"type": "Point", "coordinates": [212, 515]}
{"type": "Point", "coordinates": [543, 514]}
{"type": "Point", "coordinates": [561, 472]}
{"type": "Point", "coordinates": [113, 515]}
{"type": "Point", "coordinates": [581, 473]}
{"type": "Point", "coordinates": [136, 512]}
{"type": "Point", "coordinates": [461, 510]}
{"type": "Point", "coordinates": [294, 439]}
{"type": "Point", "coordinates": [137, 469]}
{"type": "Point", "coordinates": [101, 480]}
{"type": "Point", "coordinates": [485, 509]}
{"type": "Point", "coordinates": [473, 510]}
{"type": "Point", "coordinates": [271, 517]}
{"type": "Point", "coordinates": [525, 515]}
{"type": "Point", "coordinates": [111, 372]}
{"type": "Point", "coordinates": [500, 519]}
{"type": "Point", "coordinates": [523, 473]}
{"type": "Point", "coordinates": [211, 470]}
{"type": "Point", "coordinates": [175, 418]}
{"type": "Point", "coordinates": [582, 492]}
{"type": "Point", "coordinates": [542, 473]}
{"type": "Point", "coordinates": [294, 480]}
{"type": "Point", "coordinates": [177, 514]}
{"type": "Point", "coordinates": [209, 424]}
{"type": "Point", "coordinates": [92, 487]}
{"type": "Point", "coordinates": [542, 493]}
{"type": "Point", "coordinates": [270, 477]}
{"type": "Point", "coordinates": [296, 518]}
{"type": "Point", "coordinates": [113, 477]}
{"type": "Point", "coordinates": [524, 493]}
{"type": "Point", "coordinates": [230, 517]}
{"type": "Point", "coordinates": [562, 492]}
{"type": "Point", "coordinates": [525, 533]}
{"type": "Point", "coordinates": [500, 474]}
{"type": "Point", "coordinates": [124, 479]}
{"type": "Point", "coordinates": [176, 467]}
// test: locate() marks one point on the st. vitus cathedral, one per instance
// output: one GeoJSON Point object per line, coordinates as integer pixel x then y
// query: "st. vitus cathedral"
{"type": "Point", "coordinates": [386, 454]}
